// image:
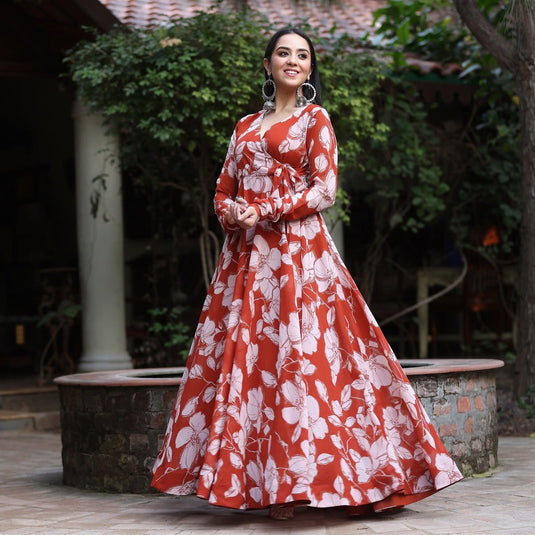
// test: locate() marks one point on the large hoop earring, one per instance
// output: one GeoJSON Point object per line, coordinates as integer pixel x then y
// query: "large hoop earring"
{"type": "Point", "coordinates": [302, 100]}
{"type": "Point", "coordinates": [269, 100]}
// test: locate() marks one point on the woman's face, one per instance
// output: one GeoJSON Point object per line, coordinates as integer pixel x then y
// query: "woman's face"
{"type": "Point", "coordinates": [290, 64]}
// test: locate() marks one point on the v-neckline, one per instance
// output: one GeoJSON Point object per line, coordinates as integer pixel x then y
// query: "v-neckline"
{"type": "Point", "coordinates": [263, 114]}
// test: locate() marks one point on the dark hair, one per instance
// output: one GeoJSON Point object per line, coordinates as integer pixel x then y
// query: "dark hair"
{"type": "Point", "coordinates": [315, 75]}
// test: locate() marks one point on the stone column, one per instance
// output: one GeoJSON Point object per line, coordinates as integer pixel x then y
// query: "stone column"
{"type": "Point", "coordinates": [100, 243]}
{"type": "Point", "coordinates": [337, 234]}
{"type": "Point", "coordinates": [336, 229]}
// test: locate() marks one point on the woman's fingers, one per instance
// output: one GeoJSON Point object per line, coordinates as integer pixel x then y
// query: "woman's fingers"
{"type": "Point", "coordinates": [235, 210]}
{"type": "Point", "coordinates": [248, 218]}
{"type": "Point", "coordinates": [230, 218]}
{"type": "Point", "coordinates": [242, 214]}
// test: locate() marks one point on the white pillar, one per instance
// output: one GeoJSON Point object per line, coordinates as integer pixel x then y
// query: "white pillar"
{"type": "Point", "coordinates": [337, 234]}
{"type": "Point", "coordinates": [100, 243]}
{"type": "Point", "coordinates": [336, 229]}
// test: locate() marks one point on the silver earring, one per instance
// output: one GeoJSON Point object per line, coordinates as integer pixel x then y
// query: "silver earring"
{"type": "Point", "coordinates": [269, 100]}
{"type": "Point", "coordinates": [301, 99]}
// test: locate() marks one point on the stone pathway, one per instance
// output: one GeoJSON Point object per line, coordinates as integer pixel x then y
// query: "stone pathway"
{"type": "Point", "coordinates": [33, 500]}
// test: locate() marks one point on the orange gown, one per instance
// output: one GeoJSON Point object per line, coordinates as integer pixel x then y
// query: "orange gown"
{"type": "Point", "coordinates": [291, 392]}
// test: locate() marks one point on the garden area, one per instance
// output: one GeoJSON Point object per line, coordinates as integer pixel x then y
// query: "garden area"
{"type": "Point", "coordinates": [427, 123]}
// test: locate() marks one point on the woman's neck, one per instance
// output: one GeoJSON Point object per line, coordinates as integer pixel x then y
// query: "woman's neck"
{"type": "Point", "coordinates": [286, 103]}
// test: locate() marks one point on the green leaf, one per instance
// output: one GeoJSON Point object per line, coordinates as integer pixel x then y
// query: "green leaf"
{"type": "Point", "coordinates": [403, 32]}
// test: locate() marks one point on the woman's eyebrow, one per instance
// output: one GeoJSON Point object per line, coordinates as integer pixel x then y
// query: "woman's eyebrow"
{"type": "Point", "coordinates": [288, 48]}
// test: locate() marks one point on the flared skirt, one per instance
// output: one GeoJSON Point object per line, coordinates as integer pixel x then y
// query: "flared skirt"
{"type": "Point", "coordinates": [291, 391]}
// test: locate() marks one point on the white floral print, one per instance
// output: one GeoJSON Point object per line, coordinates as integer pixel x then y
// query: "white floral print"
{"type": "Point", "coordinates": [291, 391]}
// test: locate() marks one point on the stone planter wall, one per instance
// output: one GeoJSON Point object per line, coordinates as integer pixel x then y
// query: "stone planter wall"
{"type": "Point", "coordinates": [113, 423]}
{"type": "Point", "coordinates": [111, 433]}
{"type": "Point", "coordinates": [462, 407]}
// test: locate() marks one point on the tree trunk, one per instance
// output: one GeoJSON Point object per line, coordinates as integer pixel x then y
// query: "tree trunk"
{"type": "Point", "coordinates": [525, 362]}
{"type": "Point", "coordinates": [519, 58]}
{"type": "Point", "coordinates": [501, 48]}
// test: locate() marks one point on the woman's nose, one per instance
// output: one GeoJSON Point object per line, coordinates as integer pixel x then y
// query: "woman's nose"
{"type": "Point", "coordinates": [292, 59]}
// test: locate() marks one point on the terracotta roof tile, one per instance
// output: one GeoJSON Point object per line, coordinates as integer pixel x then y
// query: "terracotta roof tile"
{"type": "Point", "coordinates": [350, 16]}
{"type": "Point", "coordinates": [353, 17]}
{"type": "Point", "coordinates": [428, 66]}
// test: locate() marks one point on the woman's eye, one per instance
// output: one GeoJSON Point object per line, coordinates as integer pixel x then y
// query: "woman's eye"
{"type": "Point", "coordinates": [303, 56]}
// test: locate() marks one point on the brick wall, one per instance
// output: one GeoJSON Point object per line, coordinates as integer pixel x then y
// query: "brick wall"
{"type": "Point", "coordinates": [462, 407]}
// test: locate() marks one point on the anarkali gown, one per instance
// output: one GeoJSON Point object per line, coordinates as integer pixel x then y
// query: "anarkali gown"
{"type": "Point", "coordinates": [291, 392]}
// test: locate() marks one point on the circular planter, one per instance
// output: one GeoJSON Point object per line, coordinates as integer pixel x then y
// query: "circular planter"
{"type": "Point", "coordinates": [459, 395]}
{"type": "Point", "coordinates": [113, 422]}
{"type": "Point", "coordinates": [112, 426]}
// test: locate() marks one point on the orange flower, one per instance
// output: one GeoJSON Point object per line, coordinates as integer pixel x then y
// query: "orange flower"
{"type": "Point", "coordinates": [491, 237]}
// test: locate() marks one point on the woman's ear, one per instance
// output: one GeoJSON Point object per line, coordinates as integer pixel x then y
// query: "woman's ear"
{"type": "Point", "coordinates": [266, 66]}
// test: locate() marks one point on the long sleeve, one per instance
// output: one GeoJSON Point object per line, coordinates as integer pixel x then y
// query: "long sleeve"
{"type": "Point", "coordinates": [227, 187]}
{"type": "Point", "coordinates": [323, 166]}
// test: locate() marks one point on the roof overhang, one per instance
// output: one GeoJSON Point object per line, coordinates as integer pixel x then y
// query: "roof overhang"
{"type": "Point", "coordinates": [35, 34]}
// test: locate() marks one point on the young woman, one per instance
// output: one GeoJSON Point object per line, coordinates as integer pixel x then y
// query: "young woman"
{"type": "Point", "coordinates": [292, 395]}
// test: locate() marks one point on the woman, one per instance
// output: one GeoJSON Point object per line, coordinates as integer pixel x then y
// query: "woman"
{"type": "Point", "coordinates": [292, 394]}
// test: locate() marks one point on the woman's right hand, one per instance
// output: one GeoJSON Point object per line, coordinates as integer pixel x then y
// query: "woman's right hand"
{"type": "Point", "coordinates": [248, 218]}
{"type": "Point", "coordinates": [236, 209]}
{"type": "Point", "coordinates": [242, 214]}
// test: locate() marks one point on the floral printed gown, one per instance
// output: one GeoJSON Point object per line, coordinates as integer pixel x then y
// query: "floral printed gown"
{"type": "Point", "coordinates": [291, 392]}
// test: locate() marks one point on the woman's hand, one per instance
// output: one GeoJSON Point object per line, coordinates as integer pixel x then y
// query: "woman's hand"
{"type": "Point", "coordinates": [240, 213]}
{"type": "Point", "coordinates": [236, 209]}
{"type": "Point", "coordinates": [229, 218]}
{"type": "Point", "coordinates": [248, 218]}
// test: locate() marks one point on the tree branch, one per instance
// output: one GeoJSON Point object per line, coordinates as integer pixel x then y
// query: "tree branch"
{"type": "Point", "coordinates": [500, 47]}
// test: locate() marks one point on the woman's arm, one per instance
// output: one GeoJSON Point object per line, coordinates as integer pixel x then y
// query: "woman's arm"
{"type": "Point", "coordinates": [226, 190]}
{"type": "Point", "coordinates": [323, 161]}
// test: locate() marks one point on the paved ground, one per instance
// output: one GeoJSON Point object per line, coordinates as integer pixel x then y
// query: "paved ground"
{"type": "Point", "coordinates": [33, 500]}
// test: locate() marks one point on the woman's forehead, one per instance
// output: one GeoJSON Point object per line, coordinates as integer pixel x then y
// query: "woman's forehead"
{"type": "Point", "coordinates": [293, 42]}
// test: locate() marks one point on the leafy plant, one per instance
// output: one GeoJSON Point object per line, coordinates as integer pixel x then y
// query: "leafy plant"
{"type": "Point", "coordinates": [66, 311]}
{"type": "Point", "coordinates": [404, 185]}
{"type": "Point", "coordinates": [167, 339]}
{"type": "Point", "coordinates": [386, 146]}
{"type": "Point", "coordinates": [350, 82]}
{"type": "Point", "coordinates": [527, 402]}
{"type": "Point", "coordinates": [175, 93]}
{"type": "Point", "coordinates": [430, 29]}
{"type": "Point", "coordinates": [489, 142]}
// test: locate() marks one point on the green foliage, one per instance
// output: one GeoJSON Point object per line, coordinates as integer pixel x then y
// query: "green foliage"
{"type": "Point", "coordinates": [168, 327]}
{"type": "Point", "coordinates": [491, 196]}
{"type": "Point", "coordinates": [67, 310]}
{"type": "Point", "coordinates": [527, 402]}
{"type": "Point", "coordinates": [405, 25]}
{"type": "Point", "coordinates": [404, 181]}
{"type": "Point", "coordinates": [175, 92]}
{"type": "Point", "coordinates": [170, 84]}
{"type": "Point", "coordinates": [350, 81]}
{"type": "Point", "coordinates": [167, 339]}
{"type": "Point", "coordinates": [430, 29]}
{"type": "Point", "coordinates": [488, 196]}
